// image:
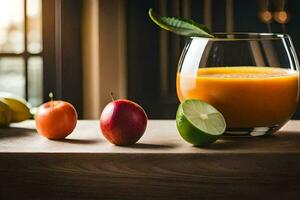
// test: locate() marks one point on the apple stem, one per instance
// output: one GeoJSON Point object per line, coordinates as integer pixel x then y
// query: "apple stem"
{"type": "Point", "coordinates": [112, 96]}
{"type": "Point", "coordinates": [51, 97]}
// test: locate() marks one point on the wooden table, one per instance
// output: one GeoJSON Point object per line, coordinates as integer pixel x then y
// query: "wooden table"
{"type": "Point", "coordinates": [160, 166]}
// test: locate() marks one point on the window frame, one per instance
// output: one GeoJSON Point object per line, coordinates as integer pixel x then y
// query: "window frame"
{"type": "Point", "coordinates": [61, 52]}
{"type": "Point", "coordinates": [25, 55]}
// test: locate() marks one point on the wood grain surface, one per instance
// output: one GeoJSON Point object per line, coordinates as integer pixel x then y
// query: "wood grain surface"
{"type": "Point", "coordinates": [160, 166]}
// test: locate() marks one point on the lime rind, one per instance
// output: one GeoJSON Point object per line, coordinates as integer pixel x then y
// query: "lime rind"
{"type": "Point", "coordinates": [180, 26]}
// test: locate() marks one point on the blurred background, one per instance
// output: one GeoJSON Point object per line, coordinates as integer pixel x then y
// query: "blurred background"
{"type": "Point", "coordinates": [84, 49]}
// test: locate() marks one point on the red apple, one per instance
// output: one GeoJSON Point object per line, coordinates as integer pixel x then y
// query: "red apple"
{"type": "Point", "coordinates": [55, 119]}
{"type": "Point", "coordinates": [123, 122]}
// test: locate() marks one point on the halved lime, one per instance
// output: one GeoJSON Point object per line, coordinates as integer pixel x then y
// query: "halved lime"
{"type": "Point", "coordinates": [199, 123]}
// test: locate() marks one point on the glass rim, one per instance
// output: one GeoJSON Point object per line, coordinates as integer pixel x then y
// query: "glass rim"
{"type": "Point", "coordinates": [244, 36]}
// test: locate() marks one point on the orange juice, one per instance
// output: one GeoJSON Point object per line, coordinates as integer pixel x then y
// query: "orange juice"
{"type": "Point", "coordinates": [247, 96]}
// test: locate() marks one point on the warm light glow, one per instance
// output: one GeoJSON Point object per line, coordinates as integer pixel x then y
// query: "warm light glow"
{"type": "Point", "coordinates": [33, 8]}
{"type": "Point", "coordinates": [11, 29]}
{"type": "Point", "coordinates": [34, 16]}
{"type": "Point", "coordinates": [266, 16]}
{"type": "Point", "coordinates": [281, 17]}
{"type": "Point", "coordinates": [12, 26]}
{"type": "Point", "coordinates": [11, 12]}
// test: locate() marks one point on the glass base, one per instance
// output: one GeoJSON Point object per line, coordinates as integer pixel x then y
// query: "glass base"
{"type": "Point", "coordinates": [257, 131]}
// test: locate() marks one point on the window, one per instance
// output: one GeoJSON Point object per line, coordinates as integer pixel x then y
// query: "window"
{"type": "Point", "coordinates": [21, 63]}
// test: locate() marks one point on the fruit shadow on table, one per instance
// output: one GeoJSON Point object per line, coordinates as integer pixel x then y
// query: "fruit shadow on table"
{"type": "Point", "coordinates": [79, 141]}
{"type": "Point", "coordinates": [16, 132]}
{"type": "Point", "coordinates": [152, 146]}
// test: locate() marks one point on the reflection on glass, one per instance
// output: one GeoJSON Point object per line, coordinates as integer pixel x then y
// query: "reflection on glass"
{"type": "Point", "coordinates": [11, 26]}
{"type": "Point", "coordinates": [12, 78]}
{"type": "Point", "coordinates": [34, 26]}
{"type": "Point", "coordinates": [35, 80]}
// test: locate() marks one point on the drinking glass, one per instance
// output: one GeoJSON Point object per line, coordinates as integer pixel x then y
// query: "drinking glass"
{"type": "Point", "coordinates": [251, 78]}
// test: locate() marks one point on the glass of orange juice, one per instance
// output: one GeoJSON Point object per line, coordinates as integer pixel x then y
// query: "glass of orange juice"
{"type": "Point", "coordinates": [251, 78]}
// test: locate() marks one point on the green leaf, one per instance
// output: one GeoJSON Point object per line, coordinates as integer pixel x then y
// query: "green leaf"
{"type": "Point", "coordinates": [180, 26]}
